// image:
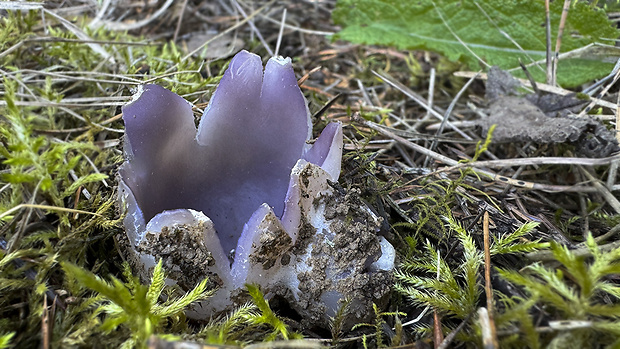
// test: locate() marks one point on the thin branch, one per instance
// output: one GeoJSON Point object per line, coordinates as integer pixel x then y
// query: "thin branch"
{"type": "Point", "coordinates": [488, 288]}
{"type": "Point", "coordinates": [179, 22]}
{"type": "Point", "coordinates": [223, 33]}
{"type": "Point", "coordinates": [254, 28]}
{"type": "Point", "coordinates": [118, 26]}
{"type": "Point", "coordinates": [558, 42]}
{"type": "Point", "coordinates": [279, 41]}
{"type": "Point", "coordinates": [548, 41]}
{"type": "Point", "coordinates": [45, 207]}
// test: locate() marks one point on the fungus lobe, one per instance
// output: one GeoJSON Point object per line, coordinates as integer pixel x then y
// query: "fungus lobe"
{"type": "Point", "coordinates": [244, 197]}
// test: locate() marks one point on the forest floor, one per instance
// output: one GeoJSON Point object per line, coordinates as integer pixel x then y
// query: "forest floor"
{"type": "Point", "coordinates": [506, 235]}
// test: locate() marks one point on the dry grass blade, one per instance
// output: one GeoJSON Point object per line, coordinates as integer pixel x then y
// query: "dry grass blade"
{"type": "Point", "coordinates": [438, 337]}
{"type": "Point", "coordinates": [20, 5]}
{"type": "Point", "coordinates": [45, 207]}
{"type": "Point", "coordinates": [549, 62]}
{"type": "Point", "coordinates": [544, 161]}
{"type": "Point", "coordinates": [230, 29]}
{"type": "Point", "coordinates": [422, 150]}
{"type": "Point", "coordinates": [558, 42]}
{"type": "Point", "coordinates": [485, 174]}
{"type": "Point", "coordinates": [542, 87]}
{"type": "Point", "coordinates": [181, 15]}
{"type": "Point", "coordinates": [418, 99]}
{"type": "Point", "coordinates": [488, 288]}
{"type": "Point", "coordinates": [82, 36]}
{"type": "Point", "coordinates": [609, 197]}
{"type": "Point", "coordinates": [450, 337]}
{"type": "Point", "coordinates": [446, 116]}
{"type": "Point", "coordinates": [254, 28]}
{"type": "Point", "coordinates": [138, 24]}
{"type": "Point", "coordinates": [489, 340]}
{"type": "Point", "coordinates": [279, 41]}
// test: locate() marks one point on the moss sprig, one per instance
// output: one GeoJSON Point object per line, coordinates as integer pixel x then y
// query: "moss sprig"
{"type": "Point", "coordinates": [579, 289]}
{"type": "Point", "coordinates": [135, 309]}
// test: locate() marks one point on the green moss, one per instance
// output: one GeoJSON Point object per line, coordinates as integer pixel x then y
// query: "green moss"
{"type": "Point", "coordinates": [134, 309]}
{"type": "Point", "coordinates": [577, 290]}
{"type": "Point", "coordinates": [59, 152]}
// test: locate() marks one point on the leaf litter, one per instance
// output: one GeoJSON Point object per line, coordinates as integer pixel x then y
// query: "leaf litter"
{"type": "Point", "coordinates": [542, 118]}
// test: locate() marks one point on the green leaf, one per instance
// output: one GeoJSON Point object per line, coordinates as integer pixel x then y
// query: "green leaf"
{"type": "Point", "coordinates": [475, 32]}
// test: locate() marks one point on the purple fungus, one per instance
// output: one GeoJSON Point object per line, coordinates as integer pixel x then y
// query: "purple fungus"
{"type": "Point", "coordinates": [244, 198]}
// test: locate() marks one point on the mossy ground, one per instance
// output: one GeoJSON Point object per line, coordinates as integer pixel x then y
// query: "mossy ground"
{"type": "Point", "coordinates": [553, 276]}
